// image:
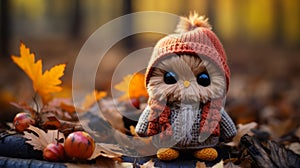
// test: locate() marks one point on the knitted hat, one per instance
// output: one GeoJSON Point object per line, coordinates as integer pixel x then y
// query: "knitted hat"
{"type": "Point", "coordinates": [193, 37]}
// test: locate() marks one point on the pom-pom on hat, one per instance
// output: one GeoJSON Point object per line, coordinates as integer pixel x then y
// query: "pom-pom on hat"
{"type": "Point", "coordinates": [192, 36]}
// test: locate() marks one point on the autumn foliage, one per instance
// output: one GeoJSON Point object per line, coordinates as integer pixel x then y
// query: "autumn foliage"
{"type": "Point", "coordinates": [43, 83]}
{"type": "Point", "coordinates": [132, 86]}
{"type": "Point", "coordinates": [47, 127]}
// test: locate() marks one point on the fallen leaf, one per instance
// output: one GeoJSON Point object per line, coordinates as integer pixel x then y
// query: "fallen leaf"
{"type": "Point", "coordinates": [242, 130]}
{"type": "Point", "coordinates": [43, 83]}
{"type": "Point", "coordinates": [106, 150]}
{"type": "Point", "coordinates": [62, 108]}
{"type": "Point", "coordinates": [79, 165]}
{"type": "Point", "coordinates": [133, 86]}
{"type": "Point", "coordinates": [10, 125]}
{"type": "Point", "coordinates": [48, 120]}
{"type": "Point", "coordinates": [231, 165]}
{"type": "Point", "coordinates": [295, 147]}
{"type": "Point", "coordinates": [149, 164]}
{"type": "Point", "coordinates": [67, 107]}
{"type": "Point", "coordinates": [24, 106]}
{"type": "Point", "coordinates": [219, 165]}
{"type": "Point", "coordinates": [43, 139]}
{"type": "Point", "coordinates": [138, 144]}
{"type": "Point", "coordinates": [100, 162]}
{"type": "Point", "coordinates": [200, 164]}
{"type": "Point", "coordinates": [51, 122]}
{"type": "Point", "coordinates": [269, 154]}
{"type": "Point", "coordinates": [230, 160]}
{"type": "Point", "coordinates": [92, 98]}
{"type": "Point", "coordinates": [280, 127]}
{"type": "Point", "coordinates": [111, 113]}
{"type": "Point", "coordinates": [126, 165]}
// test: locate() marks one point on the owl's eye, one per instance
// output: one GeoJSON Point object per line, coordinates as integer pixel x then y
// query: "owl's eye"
{"type": "Point", "coordinates": [203, 79]}
{"type": "Point", "coordinates": [170, 78]}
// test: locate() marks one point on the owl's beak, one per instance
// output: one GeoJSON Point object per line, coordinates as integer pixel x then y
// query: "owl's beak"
{"type": "Point", "coordinates": [186, 84]}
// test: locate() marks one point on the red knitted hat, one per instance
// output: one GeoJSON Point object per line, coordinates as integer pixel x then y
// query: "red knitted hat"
{"type": "Point", "coordinates": [193, 37]}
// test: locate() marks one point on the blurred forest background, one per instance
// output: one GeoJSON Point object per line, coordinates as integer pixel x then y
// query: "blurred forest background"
{"type": "Point", "coordinates": [261, 38]}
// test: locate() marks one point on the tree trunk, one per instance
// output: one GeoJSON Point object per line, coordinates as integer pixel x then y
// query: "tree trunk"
{"type": "Point", "coordinates": [4, 28]}
{"type": "Point", "coordinates": [129, 42]}
{"type": "Point", "coordinates": [76, 19]}
{"type": "Point", "coordinates": [278, 22]}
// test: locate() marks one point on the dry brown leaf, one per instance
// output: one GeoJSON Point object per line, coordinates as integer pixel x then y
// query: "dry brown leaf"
{"type": "Point", "coordinates": [24, 106]}
{"type": "Point", "coordinates": [200, 164]}
{"type": "Point", "coordinates": [149, 164]}
{"type": "Point", "coordinates": [219, 165]}
{"type": "Point", "coordinates": [51, 122]}
{"type": "Point", "coordinates": [43, 139]}
{"type": "Point", "coordinates": [295, 147]}
{"type": "Point", "coordinates": [106, 150]}
{"type": "Point", "coordinates": [231, 165]}
{"type": "Point", "coordinates": [56, 102]}
{"type": "Point", "coordinates": [10, 125]}
{"type": "Point", "coordinates": [62, 107]}
{"type": "Point", "coordinates": [106, 162]}
{"type": "Point", "coordinates": [277, 128]}
{"type": "Point", "coordinates": [138, 144]}
{"type": "Point", "coordinates": [242, 130]}
{"type": "Point", "coordinates": [110, 113]}
{"type": "Point", "coordinates": [232, 160]}
{"type": "Point", "coordinates": [125, 165]}
{"type": "Point", "coordinates": [67, 107]}
{"type": "Point", "coordinates": [100, 162]}
{"type": "Point", "coordinates": [78, 165]}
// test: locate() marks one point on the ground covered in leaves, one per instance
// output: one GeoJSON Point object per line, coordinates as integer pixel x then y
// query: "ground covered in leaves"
{"type": "Point", "coordinates": [265, 109]}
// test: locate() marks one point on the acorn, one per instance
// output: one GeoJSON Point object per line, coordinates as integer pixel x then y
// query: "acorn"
{"type": "Point", "coordinates": [54, 152]}
{"type": "Point", "coordinates": [79, 145]}
{"type": "Point", "coordinates": [22, 121]}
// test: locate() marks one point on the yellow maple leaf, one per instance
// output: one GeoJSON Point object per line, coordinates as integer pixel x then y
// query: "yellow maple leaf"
{"type": "Point", "coordinates": [43, 83]}
{"type": "Point", "coordinates": [133, 86]}
{"type": "Point", "coordinates": [92, 98]}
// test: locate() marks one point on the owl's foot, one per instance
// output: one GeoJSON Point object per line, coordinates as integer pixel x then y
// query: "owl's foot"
{"type": "Point", "coordinates": [167, 154]}
{"type": "Point", "coordinates": [206, 154]}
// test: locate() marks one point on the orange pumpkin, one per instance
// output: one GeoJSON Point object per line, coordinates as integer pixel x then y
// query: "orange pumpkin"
{"type": "Point", "coordinates": [79, 145]}
{"type": "Point", "coordinates": [22, 121]}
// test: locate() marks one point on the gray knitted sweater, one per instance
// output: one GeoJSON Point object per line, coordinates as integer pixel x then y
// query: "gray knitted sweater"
{"type": "Point", "coordinates": [185, 125]}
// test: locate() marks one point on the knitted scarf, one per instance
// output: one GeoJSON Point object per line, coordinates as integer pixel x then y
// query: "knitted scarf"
{"type": "Point", "coordinates": [159, 118]}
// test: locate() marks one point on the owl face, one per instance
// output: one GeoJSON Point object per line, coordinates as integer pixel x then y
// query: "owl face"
{"type": "Point", "coordinates": [186, 78]}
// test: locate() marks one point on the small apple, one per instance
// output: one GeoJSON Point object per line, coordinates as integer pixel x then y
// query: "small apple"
{"type": "Point", "coordinates": [22, 121]}
{"type": "Point", "coordinates": [79, 145]}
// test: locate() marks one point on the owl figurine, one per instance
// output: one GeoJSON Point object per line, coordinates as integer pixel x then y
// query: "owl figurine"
{"type": "Point", "coordinates": [187, 79]}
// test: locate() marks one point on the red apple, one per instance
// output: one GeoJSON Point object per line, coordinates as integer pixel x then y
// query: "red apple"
{"type": "Point", "coordinates": [54, 152]}
{"type": "Point", "coordinates": [22, 121]}
{"type": "Point", "coordinates": [79, 145]}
